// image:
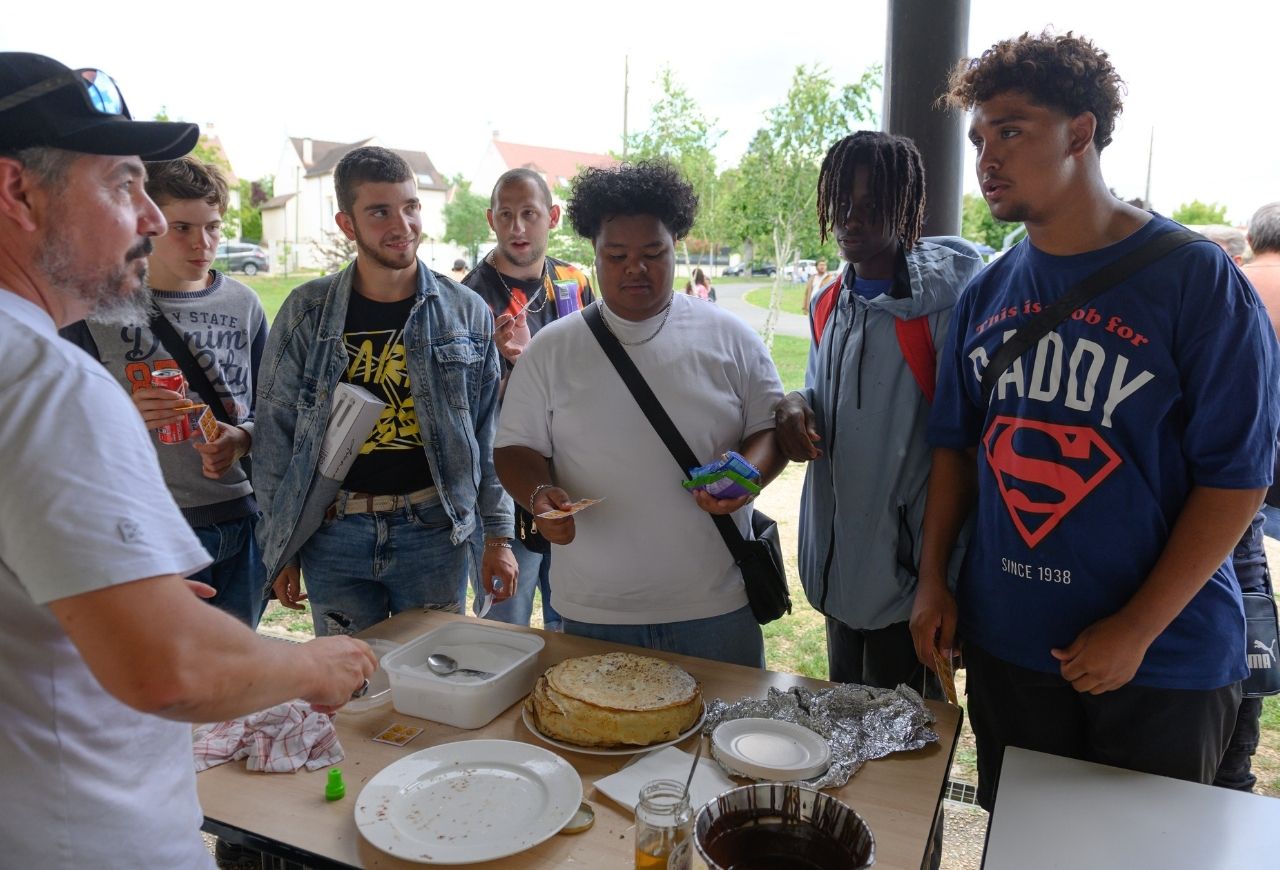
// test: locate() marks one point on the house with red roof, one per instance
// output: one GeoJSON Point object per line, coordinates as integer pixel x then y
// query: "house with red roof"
{"type": "Point", "coordinates": [556, 165]}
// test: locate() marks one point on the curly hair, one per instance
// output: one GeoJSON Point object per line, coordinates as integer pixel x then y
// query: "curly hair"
{"type": "Point", "coordinates": [897, 183]}
{"type": "Point", "coordinates": [649, 187]}
{"type": "Point", "coordinates": [1068, 73]}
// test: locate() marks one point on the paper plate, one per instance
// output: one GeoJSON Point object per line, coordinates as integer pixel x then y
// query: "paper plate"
{"type": "Point", "coordinates": [770, 749]}
{"type": "Point", "coordinates": [621, 750]}
{"type": "Point", "coordinates": [461, 803]}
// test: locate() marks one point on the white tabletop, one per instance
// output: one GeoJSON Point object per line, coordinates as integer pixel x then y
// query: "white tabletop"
{"type": "Point", "coordinates": [1056, 812]}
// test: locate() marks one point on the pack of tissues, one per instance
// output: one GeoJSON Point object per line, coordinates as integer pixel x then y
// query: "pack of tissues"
{"type": "Point", "coordinates": [731, 476]}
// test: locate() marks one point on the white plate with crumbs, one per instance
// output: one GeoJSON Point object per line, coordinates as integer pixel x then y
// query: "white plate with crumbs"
{"type": "Point", "coordinates": [770, 749]}
{"type": "Point", "coordinates": [471, 801]}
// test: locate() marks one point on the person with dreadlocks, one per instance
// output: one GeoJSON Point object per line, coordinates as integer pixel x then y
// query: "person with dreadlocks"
{"type": "Point", "coordinates": [859, 421]}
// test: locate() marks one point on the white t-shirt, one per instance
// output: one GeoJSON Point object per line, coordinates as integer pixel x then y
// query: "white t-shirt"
{"type": "Point", "coordinates": [648, 553]}
{"type": "Point", "coordinates": [87, 781]}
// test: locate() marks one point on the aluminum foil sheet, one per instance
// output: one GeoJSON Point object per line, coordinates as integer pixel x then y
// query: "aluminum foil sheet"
{"type": "Point", "coordinates": [859, 723]}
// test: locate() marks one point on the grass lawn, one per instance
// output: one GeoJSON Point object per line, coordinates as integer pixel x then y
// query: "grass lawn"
{"type": "Point", "coordinates": [790, 355]}
{"type": "Point", "coordinates": [792, 298]}
{"type": "Point", "coordinates": [274, 287]}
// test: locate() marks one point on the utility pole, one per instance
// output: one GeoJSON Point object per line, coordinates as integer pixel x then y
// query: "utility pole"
{"type": "Point", "coordinates": [1151, 146]}
{"type": "Point", "coordinates": [626, 93]}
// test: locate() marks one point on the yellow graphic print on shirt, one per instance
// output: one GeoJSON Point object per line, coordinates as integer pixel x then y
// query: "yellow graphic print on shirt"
{"type": "Point", "coordinates": [378, 365]}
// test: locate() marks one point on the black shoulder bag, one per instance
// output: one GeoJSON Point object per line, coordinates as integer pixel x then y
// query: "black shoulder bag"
{"type": "Point", "coordinates": [195, 375]}
{"type": "Point", "coordinates": [760, 560]}
{"type": "Point", "coordinates": [1099, 282]}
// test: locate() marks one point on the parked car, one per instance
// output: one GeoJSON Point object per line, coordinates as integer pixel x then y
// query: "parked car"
{"type": "Point", "coordinates": [800, 270]}
{"type": "Point", "coordinates": [241, 257]}
{"type": "Point", "coordinates": [756, 269]}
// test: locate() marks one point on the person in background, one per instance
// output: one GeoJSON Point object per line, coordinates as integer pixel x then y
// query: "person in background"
{"type": "Point", "coordinates": [699, 285]}
{"type": "Point", "coordinates": [224, 327]}
{"type": "Point", "coordinates": [816, 282]}
{"type": "Point", "coordinates": [459, 270]}
{"type": "Point", "coordinates": [645, 566]}
{"type": "Point", "coordinates": [518, 282]}
{"type": "Point", "coordinates": [107, 656]}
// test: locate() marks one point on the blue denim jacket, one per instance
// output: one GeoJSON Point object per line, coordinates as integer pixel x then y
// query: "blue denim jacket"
{"type": "Point", "coordinates": [454, 376]}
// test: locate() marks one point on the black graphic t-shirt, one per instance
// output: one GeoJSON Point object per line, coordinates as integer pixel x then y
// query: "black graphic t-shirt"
{"type": "Point", "coordinates": [392, 460]}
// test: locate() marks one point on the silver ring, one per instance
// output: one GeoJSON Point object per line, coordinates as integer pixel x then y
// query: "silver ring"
{"type": "Point", "coordinates": [360, 692]}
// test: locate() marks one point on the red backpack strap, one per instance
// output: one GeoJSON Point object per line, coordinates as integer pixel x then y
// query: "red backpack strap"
{"type": "Point", "coordinates": [823, 306]}
{"type": "Point", "coordinates": [916, 343]}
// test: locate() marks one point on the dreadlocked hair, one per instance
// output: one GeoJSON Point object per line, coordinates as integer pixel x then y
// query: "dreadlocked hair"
{"type": "Point", "coordinates": [897, 183]}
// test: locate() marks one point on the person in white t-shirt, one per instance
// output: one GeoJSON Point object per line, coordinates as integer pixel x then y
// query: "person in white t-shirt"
{"type": "Point", "coordinates": [106, 653]}
{"type": "Point", "coordinates": [646, 566]}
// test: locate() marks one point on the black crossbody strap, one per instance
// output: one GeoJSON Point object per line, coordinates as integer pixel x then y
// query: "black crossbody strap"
{"type": "Point", "coordinates": [1100, 281]}
{"type": "Point", "coordinates": [195, 375]}
{"type": "Point", "coordinates": [657, 415]}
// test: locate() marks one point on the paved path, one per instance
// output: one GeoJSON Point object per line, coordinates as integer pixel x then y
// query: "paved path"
{"type": "Point", "coordinates": [730, 298]}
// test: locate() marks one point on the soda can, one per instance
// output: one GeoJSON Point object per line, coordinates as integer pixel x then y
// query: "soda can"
{"type": "Point", "coordinates": [566, 297]}
{"type": "Point", "coordinates": [172, 379]}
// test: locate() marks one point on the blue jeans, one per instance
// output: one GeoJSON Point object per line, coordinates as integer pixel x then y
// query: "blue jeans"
{"type": "Point", "coordinates": [535, 573]}
{"type": "Point", "coordinates": [237, 571]}
{"type": "Point", "coordinates": [1272, 527]}
{"type": "Point", "coordinates": [360, 569]}
{"type": "Point", "coordinates": [732, 637]}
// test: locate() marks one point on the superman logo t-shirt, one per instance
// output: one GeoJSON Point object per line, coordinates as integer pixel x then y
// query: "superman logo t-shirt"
{"type": "Point", "coordinates": [1093, 440]}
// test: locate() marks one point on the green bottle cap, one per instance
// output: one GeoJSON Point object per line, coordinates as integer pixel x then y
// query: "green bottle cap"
{"type": "Point", "coordinates": [334, 789]}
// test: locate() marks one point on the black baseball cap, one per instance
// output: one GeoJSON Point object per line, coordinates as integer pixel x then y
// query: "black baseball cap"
{"type": "Point", "coordinates": [46, 104]}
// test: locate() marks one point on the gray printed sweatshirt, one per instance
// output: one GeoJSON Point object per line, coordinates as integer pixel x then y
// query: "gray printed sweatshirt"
{"type": "Point", "coordinates": [225, 328]}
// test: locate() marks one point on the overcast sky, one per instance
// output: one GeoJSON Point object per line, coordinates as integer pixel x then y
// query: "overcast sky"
{"type": "Point", "coordinates": [551, 73]}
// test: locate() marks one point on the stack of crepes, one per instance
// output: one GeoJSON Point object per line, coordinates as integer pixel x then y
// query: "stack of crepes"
{"type": "Point", "coordinates": [614, 700]}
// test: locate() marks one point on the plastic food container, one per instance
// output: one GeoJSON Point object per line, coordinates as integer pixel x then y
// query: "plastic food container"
{"type": "Point", "coordinates": [463, 701]}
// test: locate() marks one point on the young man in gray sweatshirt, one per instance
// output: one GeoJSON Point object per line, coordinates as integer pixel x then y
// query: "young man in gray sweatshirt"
{"type": "Point", "coordinates": [225, 329]}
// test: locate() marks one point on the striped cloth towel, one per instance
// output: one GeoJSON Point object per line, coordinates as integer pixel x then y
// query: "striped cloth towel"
{"type": "Point", "coordinates": [279, 740]}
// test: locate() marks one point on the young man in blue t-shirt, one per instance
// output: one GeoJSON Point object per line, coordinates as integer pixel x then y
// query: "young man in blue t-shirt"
{"type": "Point", "coordinates": [1113, 470]}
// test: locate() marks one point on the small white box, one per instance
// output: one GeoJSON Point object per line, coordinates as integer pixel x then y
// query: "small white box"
{"type": "Point", "coordinates": [351, 418]}
{"type": "Point", "coordinates": [463, 702]}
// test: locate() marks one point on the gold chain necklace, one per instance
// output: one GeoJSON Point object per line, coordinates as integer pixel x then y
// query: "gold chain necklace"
{"type": "Point", "coordinates": [542, 288]}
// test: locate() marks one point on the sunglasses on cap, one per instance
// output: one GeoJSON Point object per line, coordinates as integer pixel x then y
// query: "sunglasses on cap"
{"type": "Point", "coordinates": [99, 90]}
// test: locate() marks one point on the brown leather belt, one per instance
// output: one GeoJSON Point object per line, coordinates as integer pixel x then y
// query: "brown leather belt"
{"type": "Point", "coordinates": [367, 503]}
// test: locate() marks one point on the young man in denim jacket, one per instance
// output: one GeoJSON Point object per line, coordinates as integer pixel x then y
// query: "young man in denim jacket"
{"type": "Point", "coordinates": [393, 534]}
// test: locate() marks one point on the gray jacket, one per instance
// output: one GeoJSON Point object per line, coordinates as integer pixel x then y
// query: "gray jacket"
{"type": "Point", "coordinates": [863, 500]}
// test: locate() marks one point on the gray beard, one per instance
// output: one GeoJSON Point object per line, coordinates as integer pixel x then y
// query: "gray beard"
{"type": "Point", "coordinates": [107, 291]}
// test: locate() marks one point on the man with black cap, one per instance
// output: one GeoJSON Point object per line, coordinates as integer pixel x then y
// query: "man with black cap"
{"type": "Point", "coordinates": [106, 652]}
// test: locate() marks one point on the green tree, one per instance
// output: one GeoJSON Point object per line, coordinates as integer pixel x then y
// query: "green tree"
{"type": "Point", "coordinates": [682, 135]}
{"type": "Point", "coordinates": [465, 223]}
{"type": "Point", "coordinates": [979, 226]}
{"type": "Point", "coordinates": [775, 199]}
{"type": "Point", "coordinates": [1200, 214]}
{"type": "Point", "coordinates": [564, 243]}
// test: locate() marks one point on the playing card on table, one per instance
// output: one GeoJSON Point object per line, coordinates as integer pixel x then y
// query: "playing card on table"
{"type": "Point", "coordinates": [579, 505]}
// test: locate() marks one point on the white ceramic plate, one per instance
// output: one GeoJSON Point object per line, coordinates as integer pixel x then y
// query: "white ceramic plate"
{"type": "Point", "coordinates": [770, 749]}
{"type": "Point", "coordinates": [476, 800]}
{"type": "Point", "coordinates": [591, 750]}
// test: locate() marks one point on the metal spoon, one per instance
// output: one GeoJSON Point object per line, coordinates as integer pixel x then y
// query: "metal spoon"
{"type": "Point", "coordinates": [446, 665]}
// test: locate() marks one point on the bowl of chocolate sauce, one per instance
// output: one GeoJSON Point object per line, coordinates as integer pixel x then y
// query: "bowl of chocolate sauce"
{"type": "Point", "coordinates": [781, 826]}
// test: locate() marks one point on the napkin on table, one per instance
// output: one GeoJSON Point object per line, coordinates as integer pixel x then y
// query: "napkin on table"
{"type": "Point", "coordinates": [278, 740]}
{"type": "Point", "coordinates": [669, 763]}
